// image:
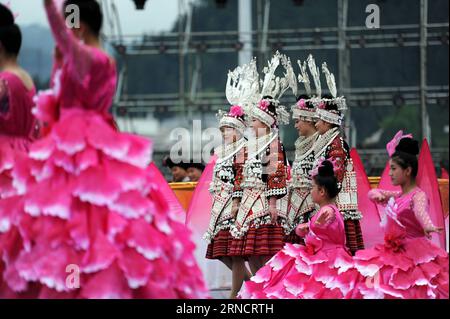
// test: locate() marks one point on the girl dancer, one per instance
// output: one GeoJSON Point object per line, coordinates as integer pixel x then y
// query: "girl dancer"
{"type": "Point", "coordinates": [408, 265]}
{"type": "Point", "coordinates": [320, 270]}
{"type": "Point", "coordinates": [17, 123]}
{"type": "Point", "coordinates": [94, 224]}
{"type": "Point", "coordinates": [16, 128]}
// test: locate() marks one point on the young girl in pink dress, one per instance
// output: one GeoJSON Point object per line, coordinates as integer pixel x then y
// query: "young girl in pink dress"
{"type": "Point", "coordinates": [17, 126]}
{"type": "Point", "coordinates": [407, 265]}
{"type": "Point", "coordinates": [94, 221]}
{"type": "Point", "coordinates": [320, 270]}
{"type": "Point", "coordinates": [16, 100]}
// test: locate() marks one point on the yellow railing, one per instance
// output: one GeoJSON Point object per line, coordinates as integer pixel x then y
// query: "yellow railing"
{"type": "Point", "coordinates": [184, 191]}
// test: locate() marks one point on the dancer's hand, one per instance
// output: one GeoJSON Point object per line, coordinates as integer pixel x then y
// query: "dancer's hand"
{"type": "Point", "coordinates": [235, 207]}
{"type": "Point", "coordinates": [377, 196]}
{"type": "Point", "coordinates": [301, 230]}
{"type": "Point", "coordinates": [273, 214]}
{"type": "Point", "coordinates": [325, 217]}
{"type": "Point", "coordinates": [273, 210]}
{"type": "Point", "coordinates": [430, 231]}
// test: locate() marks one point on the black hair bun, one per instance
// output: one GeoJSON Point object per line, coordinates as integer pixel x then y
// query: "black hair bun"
{"type": "Point", "coordinates": [326, 169]}
{"type": "Point", "coordinates": [409, 146]}
{"type": "Point", "coordinates": [6, 16]}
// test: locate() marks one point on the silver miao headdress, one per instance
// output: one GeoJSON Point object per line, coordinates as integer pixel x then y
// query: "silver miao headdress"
{"type": "Point", "coordinates": [331, 82]}
{"type": "Point", "coordinates": [323, 112]}
{"type": "Point", "coordinates": [275, 87]}
{"type": "Point", "coordinates": [300, 110]}
{"type": "Point", "coordinates": [242, 85]}
{"type": "Point", "coordinates": [315, 72]}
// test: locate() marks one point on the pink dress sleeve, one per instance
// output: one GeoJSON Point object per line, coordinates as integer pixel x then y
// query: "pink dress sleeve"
{"type": "Point", "coordinates": [73, 51]}
{"type": "Point", "coordinates": [328, 220]}
{"type": "Point", "coordinates": [300, 231]}
{"type": "Point", "coordinates": [420, 206]}
{"type": "Point", "coordinates": [374, 193]}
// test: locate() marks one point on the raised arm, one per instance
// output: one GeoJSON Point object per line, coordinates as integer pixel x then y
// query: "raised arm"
{"type": "Point", "coordinates": [71, 49]}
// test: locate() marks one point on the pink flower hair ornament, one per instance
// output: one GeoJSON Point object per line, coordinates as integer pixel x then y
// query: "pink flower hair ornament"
{"type": "Point", "coordinates": [301, 104]}
{"type": "Point", "coordinates": [236, 111]}
{"type": "Point", "coordinates": [322, 105]}
{"type": "Point", "coordinates": [8, 5]}
{"type": "Point", "coordinates": [264, 105]}
{"type": "Point", "coordinates": [392, 145]}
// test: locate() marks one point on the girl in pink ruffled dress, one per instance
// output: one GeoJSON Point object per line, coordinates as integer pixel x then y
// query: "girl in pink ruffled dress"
{"type": "Point", "coordinates": [93, 220]}
{"type": "Point", "coordinates": [17, 123]}
{"type": "Point", "coordinates": [407, 265]}
{"type": "Point", "coordinates": [323, 269]}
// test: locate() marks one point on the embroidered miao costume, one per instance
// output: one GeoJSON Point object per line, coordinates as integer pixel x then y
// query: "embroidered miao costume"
{"type": "Point", "coordinates": [301, 205]}
{"type": "Point", "coordinates": [227, 176]}
{"type": "Point", "coordinates": [264, 173]}
{"type": "Point", "coordinates": [229, 163]}
{"type": "Point", "coordinates": [332, 146]}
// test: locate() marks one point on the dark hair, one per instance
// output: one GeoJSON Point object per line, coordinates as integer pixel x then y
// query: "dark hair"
{"type": "Point", "coordinates": [406, 155]}
{"type": "Point", "coordinates": [168, 162]}
{"type": "Point", "coordinates": [199, 166]}
{"type": "Point", "coordinates": [331, 106]}
{"type": "Point", "coordinates": [272, 107]}
{"type": "Point", "coordinates": [10, 35]}
{"type": "Point", "coordinates": [306, 98]}
{"type": "Point", "coordinates": [327, 179]}
{"type": "Point", "coordinates": [90, 13]}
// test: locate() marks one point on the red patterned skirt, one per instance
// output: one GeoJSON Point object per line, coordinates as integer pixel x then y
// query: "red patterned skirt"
{"type": "Point", "coordinates": [267, 240]}
{"type": "Point", "coordinates": [354, 236]}
{"type": "Point", "coordinates": [220, 245]}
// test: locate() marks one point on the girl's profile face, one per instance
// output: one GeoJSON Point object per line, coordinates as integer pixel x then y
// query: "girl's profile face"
{"type": "Point", "coordinates": [303, 127]}
{"type": "Point", "coordinates": [399, 175]}
{"type": "Point", "coordinates": [258, 127]}
{"type": "Point", "coordinates": [194, 174]}
{"type": "Point", "coordinates": [229, 134]}
{"type": "Point", "coordinates": [322, 127]}
{"type": "Point", "coordinates": [318, 193]}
